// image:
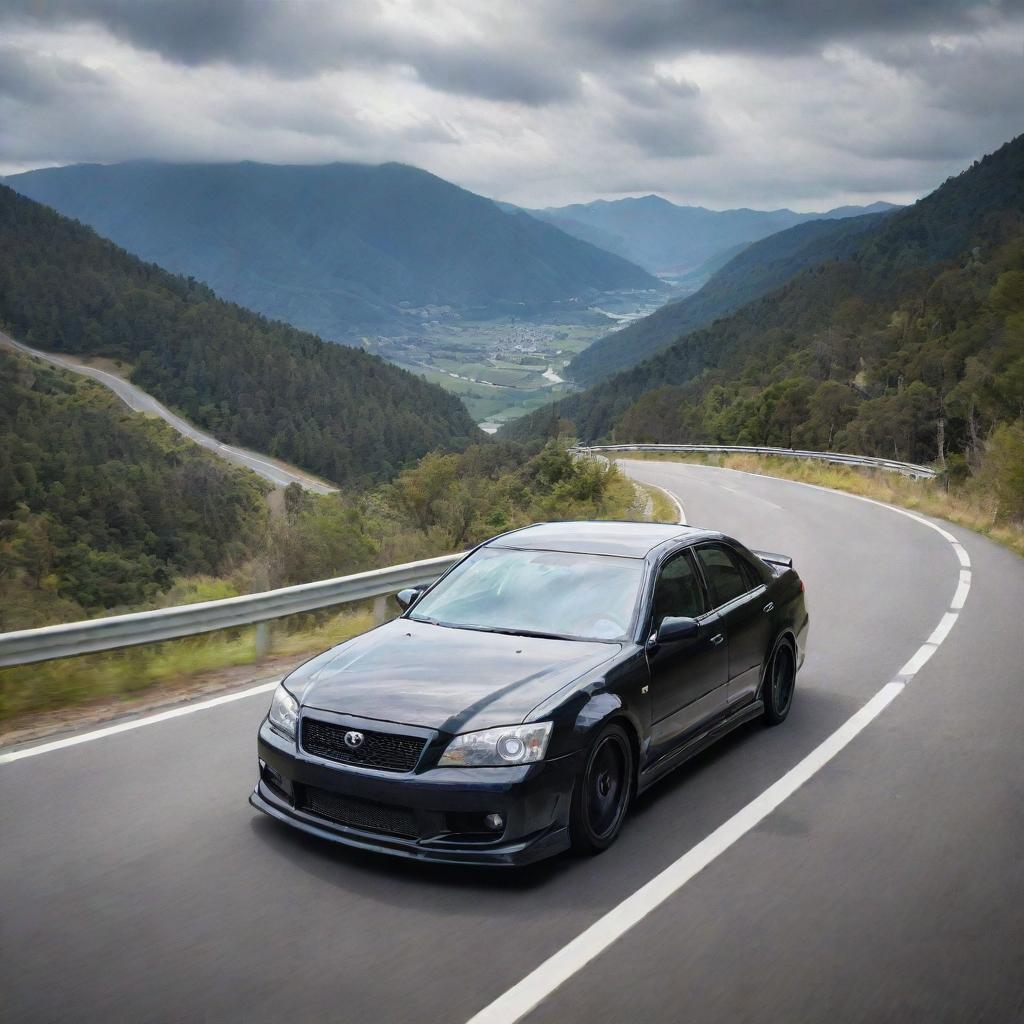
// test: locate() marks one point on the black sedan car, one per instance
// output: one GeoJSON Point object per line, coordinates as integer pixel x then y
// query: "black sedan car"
{"type": "Point", "coordinates": [522, 700]}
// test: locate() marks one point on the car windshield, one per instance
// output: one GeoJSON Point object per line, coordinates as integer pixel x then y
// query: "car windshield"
{"type": "Point", "coordinates": [550, 593]}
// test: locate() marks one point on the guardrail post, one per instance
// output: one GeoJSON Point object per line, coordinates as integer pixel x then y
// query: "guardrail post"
{"type": "Point", "coordinates": [380, 610]}
{"type": "Point", "coordinates": [262, 639]}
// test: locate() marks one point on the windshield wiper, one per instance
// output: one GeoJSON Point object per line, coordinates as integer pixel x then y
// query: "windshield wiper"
{"type": "Point", "coordinates": [522, 632]}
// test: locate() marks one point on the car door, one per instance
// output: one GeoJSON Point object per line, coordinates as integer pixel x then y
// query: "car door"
{"type": "Point", "coordinates": [739, 598]}
{"type": "Point", "coordinates": [688, 677]}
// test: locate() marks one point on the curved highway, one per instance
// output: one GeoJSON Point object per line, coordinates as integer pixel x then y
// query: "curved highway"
{"type": "Point", "coordinates": [280, 474]}
{"type": "Point", "coordinates": [863, 862]}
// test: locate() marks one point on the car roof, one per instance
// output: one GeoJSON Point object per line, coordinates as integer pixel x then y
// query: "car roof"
{"type": "Point", "coordinates": [632, 540]}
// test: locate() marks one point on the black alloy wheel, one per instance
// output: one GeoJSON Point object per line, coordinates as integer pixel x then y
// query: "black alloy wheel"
{"type": "Point", "coordinates": [779, 685]}
{"type": "Point", "coordinates": [601, 798]}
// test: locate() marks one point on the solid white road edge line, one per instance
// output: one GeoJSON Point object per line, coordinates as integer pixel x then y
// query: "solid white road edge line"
{"type": "Point", "coordinates": [136, 723]}
{"type": "Point", "coordinates": [528, 993]}
{"type": "Point", "coordinates": [675, 500]}
{"type": "Point", "coordinates": [524, 996]}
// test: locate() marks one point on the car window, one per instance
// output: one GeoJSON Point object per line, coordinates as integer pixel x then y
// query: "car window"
{"type": "Point", "coordinates": [552, 592]}
{"type": "Point", "coordinates": [724, 574]}
{"type": "Point", "coordinates": [755, 572]}
{"type": "Point", "coordinates": [678, 591]}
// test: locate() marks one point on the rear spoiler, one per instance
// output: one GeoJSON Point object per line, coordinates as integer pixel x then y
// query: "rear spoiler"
{"type": "Point", "coordinates": [784, 560]}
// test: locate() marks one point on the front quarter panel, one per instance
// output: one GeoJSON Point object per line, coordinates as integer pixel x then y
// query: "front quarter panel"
{"type": "Point", "coordinates": [621, 691]}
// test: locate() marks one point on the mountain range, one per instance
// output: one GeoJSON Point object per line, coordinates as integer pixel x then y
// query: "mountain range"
{"type": "Point", "coordinates": [338, 411]}
{"type": "Point", "coordinates": [336, 249]}
{"type": "Point", "coordinates": [908, 343]}
{"type": "Point", "coordinates": [674, 240]}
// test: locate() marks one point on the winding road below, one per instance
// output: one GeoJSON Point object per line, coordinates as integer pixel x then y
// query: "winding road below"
{"type": "Point", "coordinates": [874, 878]}
{"type": "Point", "coordinates": [280, 474]}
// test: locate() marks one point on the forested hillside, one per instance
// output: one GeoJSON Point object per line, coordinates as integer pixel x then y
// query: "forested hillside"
{"type": "Point", "coordinates": [758, 269]}
{"type": "Point", "coordinates": [331, 409]}
{"type": "Point", "coordinates": [912, 346]}
{"type": "Point", "coordinates": [335, 248]}
{"type": "Point", "coordinates": [101, 507]}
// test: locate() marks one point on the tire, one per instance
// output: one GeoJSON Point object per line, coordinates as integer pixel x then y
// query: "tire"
{"type": "Point", "coordinates": [779, 685]}
{"type": "Point", "coordinates": [603, 792]}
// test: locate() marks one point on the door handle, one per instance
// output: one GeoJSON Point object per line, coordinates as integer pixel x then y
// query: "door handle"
{"type": "Point", "coordinates": [769, 606]}
{"type": "Point", "coordinates": [717, 639]}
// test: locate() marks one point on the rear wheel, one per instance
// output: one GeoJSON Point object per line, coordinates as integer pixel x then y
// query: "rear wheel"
{"type": "Point", "coordinates": [779, 685]}
{"type": "Point", "coordinates": [602, 793]}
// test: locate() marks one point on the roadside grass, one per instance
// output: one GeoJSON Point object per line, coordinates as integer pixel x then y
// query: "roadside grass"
{"type": "Point", "coordinates": [128, 673]}
{"type": "Point", "coordinates": [663, 509]}
{"type": "Point", "coordinates": [963, 506]}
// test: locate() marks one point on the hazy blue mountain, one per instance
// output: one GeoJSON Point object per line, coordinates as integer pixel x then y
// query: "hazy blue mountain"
{"type": "Point", "coordinates": [671, 240]}
{"type": "Point", "coordinates": [757, 269]}
{"type": "Point", "coordinates": [332, 248]}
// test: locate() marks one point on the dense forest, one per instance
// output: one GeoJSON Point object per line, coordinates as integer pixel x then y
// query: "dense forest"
{"type": "Point", "coordinates": [910, 347]}
{"type": "Point", "coordinates": [101, 507]}
{"type": "Point", "coordinates": [335, 249]}
{"type": "Point", "coordinates": [337, 411]}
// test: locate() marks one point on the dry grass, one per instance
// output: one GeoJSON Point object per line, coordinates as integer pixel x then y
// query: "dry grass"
{"type": "Point", "coordinates": [663, 509]}
{"type": "Point", "coordinates": [964, 507]}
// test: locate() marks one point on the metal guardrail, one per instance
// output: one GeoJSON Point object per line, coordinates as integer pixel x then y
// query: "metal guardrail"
{"type": "Point", "coordinates": [68, 639]}
{"type": "Point", "coordinates": [892, 465]}
{"type": "Point", "coordinates": [71, 638]}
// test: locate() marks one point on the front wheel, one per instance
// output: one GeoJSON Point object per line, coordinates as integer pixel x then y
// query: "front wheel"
{"type": "Point", "coordinates": [601, 796]}
{"type": "Point", "coordinates": [779, 685]}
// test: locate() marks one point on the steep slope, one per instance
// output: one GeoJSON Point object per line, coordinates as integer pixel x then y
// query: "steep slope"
{"type": "Point", "coordinates": [100, 507]}
{"type": "Point", "coordinates": [911, 346]}
{"type": "Point", "coordinates": [331, 409]}
{"type": "Point", "coordinates": [332, 248]}
{"type": "Point", "coordinates": [669, 239]}
{"type": "Point", "coordinates": [756, 270]}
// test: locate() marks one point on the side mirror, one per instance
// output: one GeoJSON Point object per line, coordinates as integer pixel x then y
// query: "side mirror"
{"type": "Point", "coordinates": [406, 597]}
{"type": "Point", "coordinates": [674, 629]}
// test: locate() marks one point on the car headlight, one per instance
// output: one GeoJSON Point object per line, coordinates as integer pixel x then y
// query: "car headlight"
{"type": "Point", "coordinates": [512, 744]}
{"type": "Point", "coordinates": [284, 713]}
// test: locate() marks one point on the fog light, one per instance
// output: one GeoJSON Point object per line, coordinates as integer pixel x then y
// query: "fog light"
{"type": "Point", "coordinates": [495, 821]}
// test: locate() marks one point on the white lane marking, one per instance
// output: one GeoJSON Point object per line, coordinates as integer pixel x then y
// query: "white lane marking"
{"type": "Point", "coordinates": [675, 499]}
{"type": "Point", "coordinates": [961, 591]}
{"type": "Point", "coordinates": [557, 969]}
{"type": "Point", "coordinates": [136, 723]}
{"type": "Point", "coordinates": [917, 660]}
{"type": "Point", "coordinates": [943, 628]}
{"type": "Point", "coordinates": [528, 993]}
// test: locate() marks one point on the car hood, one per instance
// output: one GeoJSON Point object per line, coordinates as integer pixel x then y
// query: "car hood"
{"type": "Point", "coordinates": [454, 680]}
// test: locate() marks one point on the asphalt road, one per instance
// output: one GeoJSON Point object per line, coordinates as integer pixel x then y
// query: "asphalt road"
{"type": "Point", "coordinates": [278, 473]}
{"type": "Point", "coordinates": [137, 885]}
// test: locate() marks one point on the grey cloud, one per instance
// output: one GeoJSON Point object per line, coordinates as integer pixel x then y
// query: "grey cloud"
{"type": "Point", "coordinates": [297, 40]}
{"type": "Point", "coordinates": [726, 103]}
{"type": "Point", "coordinates": [31, 77]}
{"type": "Point", "coordinates": [781, 27]}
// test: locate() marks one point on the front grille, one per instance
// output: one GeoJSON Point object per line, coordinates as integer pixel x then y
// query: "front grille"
{"type": "Point", "coordinates": [384, 750]}
{"type": "Point", "coordinates": [363, 814]}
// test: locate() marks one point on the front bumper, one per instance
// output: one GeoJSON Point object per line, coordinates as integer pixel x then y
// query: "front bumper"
{"type": "Point", "coordinates": [444, 807]}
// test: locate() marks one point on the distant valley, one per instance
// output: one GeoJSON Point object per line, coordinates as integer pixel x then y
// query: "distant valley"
{"type": "Point", "coordinates": [487, 303]}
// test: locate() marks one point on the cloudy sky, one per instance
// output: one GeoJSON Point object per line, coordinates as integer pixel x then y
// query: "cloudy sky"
{"type": "Point", "coordinates": [766, 103]}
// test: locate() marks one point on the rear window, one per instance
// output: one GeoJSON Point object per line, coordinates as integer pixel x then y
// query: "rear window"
{"type": "Point", "coordinates": [726, 576]}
